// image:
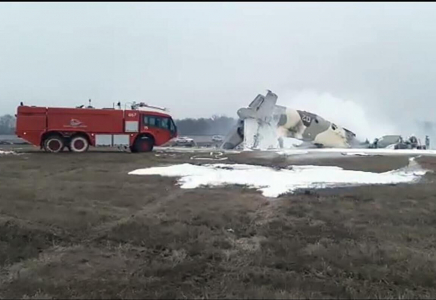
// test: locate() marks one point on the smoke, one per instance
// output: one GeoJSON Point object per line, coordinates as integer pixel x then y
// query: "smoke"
{"type": "Point", "coordinates": [345, 113]}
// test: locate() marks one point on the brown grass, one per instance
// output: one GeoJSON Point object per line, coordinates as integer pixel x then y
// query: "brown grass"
{"type": "Point", "coordinates": [77, 226]}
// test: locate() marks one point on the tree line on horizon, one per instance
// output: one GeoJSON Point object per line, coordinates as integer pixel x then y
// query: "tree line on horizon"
{"type": "Point", "coordinates": [7, 124]}
{"type": "Point", "coordinates": [190, 126]}
{"type": "Point", "coordinates": [216, 125]}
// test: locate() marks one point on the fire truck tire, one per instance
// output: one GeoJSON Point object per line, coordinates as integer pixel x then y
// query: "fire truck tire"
{"type": "Point", "coordinates": [79, 144]}
{"type": "Point", "coordinates": [143, 144]}
{"type": "Point", "coordinates": [54, 144]}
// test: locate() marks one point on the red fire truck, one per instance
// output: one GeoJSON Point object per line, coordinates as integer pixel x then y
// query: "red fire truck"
{"type": "Point", "coordinates": [55, 129]}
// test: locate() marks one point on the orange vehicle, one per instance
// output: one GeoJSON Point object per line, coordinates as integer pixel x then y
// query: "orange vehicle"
{"type": "Point", "coordinates": [55, 129]}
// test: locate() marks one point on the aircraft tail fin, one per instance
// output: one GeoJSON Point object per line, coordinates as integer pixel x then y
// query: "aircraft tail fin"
{"type": "Point", "coordinates": [258, 116]}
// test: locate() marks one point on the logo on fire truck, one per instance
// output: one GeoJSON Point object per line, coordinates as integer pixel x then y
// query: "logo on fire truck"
{"type": "Point", "coordinates": [76, 123]}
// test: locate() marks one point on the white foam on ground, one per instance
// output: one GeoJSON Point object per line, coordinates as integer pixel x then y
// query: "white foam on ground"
{"type": "Point", "coordinates": [379, 151]}
{"type": "Point", "coordinates": [7, 152]}
{"type": "Point", "coordinates": [193, 150]}
{"type": "Point", "coordinates": [293, 152]}
{"type": "Point", "coordinates": [274, 183]}
{"type": "Point", "coordinates": [355, 154]}
{"type": "Point", "coordinates": [208, 158]}
{"type": "Point", "coordinates": [361, 151]}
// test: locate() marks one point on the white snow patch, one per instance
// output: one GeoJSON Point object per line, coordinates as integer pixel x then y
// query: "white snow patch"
{"type": "Point", "coordinates": [208, 158]}
{"type": "Point", "coordinates": [7, 152]}
{"type": "Point", "coordinates": [378, 151]}
{"type": "Point", "coordinates": [293, 152]}
{"type": "Point", "coordinates": [274, 182]}
{"type": "Point", "coordinates": [192, 150]}
{"type": "Point", "coordinates": [355, 154]}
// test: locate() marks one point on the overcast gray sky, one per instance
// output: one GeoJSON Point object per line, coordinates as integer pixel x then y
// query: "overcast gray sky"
{"type": "Point", "coordinates": [200, 59]}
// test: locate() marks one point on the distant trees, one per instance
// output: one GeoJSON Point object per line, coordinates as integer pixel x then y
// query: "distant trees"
{"type": "Point", "coordinates": [205, 126]}
{"type": "Point", "coordinates": [7, 124]}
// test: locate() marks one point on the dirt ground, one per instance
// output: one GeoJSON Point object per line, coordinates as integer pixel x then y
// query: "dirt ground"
{"type": "Point", "coordinates": [77, 226]}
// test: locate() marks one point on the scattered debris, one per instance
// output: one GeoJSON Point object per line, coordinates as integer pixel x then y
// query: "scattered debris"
{"type": "Point", "coordinates": [159, 154]}
{"type": "Point", "coordinates": [398, 142]}
{"type": "Point", "coordinates": [213, 156]}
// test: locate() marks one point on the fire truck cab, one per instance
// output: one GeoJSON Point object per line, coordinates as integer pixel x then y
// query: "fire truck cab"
{"type": "Point", "coordinates": [76, 129]}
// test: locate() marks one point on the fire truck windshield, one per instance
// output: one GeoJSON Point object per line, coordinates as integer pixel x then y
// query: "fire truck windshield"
{"type": "Point", "coordinates": [173, 127]}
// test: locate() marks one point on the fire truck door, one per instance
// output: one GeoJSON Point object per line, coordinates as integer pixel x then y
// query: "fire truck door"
{"type": "Point", "coordinates": [165, 129]}
{"type": "Point", "coordinates": [159, 126]}
{"type": "Point", "coordinates": [162, 128]}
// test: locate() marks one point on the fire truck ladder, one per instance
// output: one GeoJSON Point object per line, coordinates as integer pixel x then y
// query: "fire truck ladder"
{"type": "Point", "coordinates": [136, 106]}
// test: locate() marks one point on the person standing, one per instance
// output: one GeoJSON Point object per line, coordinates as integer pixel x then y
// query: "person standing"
{"type": "Point", "coordinates": [376, 143]}
{"type": "Point", "coordinates": [413, 141]}
{"type": "Point", "coordinates": [427, 142]}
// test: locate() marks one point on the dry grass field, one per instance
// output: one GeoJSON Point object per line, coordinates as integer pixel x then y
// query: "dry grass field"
{"type": "Point", "coordinates": [77, 226]}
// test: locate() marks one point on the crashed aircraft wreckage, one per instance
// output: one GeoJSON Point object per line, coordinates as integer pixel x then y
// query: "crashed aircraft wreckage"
{"type": "Point", "coordinates": [264, 125]}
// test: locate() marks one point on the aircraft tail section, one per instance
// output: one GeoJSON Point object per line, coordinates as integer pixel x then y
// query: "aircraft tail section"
{"type": "Point", "coordinates": [261, 108]}
{"type": "Point", "coordinates": [264, 125]}
{"type": "Point", "coordinates": [256, 125]}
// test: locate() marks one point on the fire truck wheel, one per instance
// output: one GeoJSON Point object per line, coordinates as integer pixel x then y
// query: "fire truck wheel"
{"type": "Point", "coordinates": [143, 144]}
{"type": "Point", "coordinates": [54, 144]}
{"type": "Point", "coordinates": [79, 144]}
